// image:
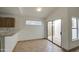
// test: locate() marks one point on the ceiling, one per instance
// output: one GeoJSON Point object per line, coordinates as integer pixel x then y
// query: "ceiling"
{"type": "Point", "coordinates": [28, 11]}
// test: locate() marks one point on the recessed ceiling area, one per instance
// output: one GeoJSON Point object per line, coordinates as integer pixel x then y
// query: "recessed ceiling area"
{"type": "Point", "coordinates": [28, 11]}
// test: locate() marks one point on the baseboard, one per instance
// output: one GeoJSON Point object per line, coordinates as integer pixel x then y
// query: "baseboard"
{"type": "Point", "coordinates": [32, 39]}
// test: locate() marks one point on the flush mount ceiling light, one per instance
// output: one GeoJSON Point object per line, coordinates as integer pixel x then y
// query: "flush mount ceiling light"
{"type": "Point", "coordinates": [39, 9]}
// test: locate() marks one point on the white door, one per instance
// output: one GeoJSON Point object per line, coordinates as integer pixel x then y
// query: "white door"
{"type": "Point", "coordinates": [57, 32]}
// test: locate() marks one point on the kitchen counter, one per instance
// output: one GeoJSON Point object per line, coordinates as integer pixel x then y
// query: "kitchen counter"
{"type": "Point", "coordinates": [7, 31]}
{"type": "Point", "coordinates": [4, 32]}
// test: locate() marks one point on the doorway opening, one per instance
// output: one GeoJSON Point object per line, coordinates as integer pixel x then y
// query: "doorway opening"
{"type": "Point", "coordinates": [50, 37]}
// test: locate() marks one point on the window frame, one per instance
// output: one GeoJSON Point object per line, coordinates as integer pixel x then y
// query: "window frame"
{"type": "Point", "coordinates": [33, 24]}
{"type": "Point", "coordinates": [76, 28]}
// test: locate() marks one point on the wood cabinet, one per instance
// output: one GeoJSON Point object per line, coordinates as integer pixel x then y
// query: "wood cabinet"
{"type": "Point", "coordinates": [7, 22]}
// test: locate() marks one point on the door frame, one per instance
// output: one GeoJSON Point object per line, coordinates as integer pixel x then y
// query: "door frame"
{"type": "Point", "coordinates": [60, 34]}
{"type": "Point", "coordinates": [51, 31]}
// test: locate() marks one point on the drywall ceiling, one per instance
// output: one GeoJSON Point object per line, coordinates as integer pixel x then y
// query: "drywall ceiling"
{"type": "Point", "coordinates": [28, 11]}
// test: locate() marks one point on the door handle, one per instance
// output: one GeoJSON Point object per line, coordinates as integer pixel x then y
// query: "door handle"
{"type": "Point", "coordinates": [60, 33]}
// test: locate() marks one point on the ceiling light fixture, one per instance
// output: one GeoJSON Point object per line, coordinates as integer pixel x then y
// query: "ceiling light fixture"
{"type": "Point", "coordinates": [39, 9]}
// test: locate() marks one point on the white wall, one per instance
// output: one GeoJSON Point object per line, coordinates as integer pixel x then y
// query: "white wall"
{"type": "Point", "coordinates": [72, 12]}
{"type": "Point", "coordinates": [30, 32]}
{"type": "Point", "coordinates": [63, 15]}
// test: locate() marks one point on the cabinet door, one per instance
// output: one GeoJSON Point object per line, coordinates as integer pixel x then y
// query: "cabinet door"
{"type": "Point", "coordinates": [7, 22]}
{"type": "Point", "coordinates": [2, 44]}
{"type": "Point", "coordinates": [1, 22]}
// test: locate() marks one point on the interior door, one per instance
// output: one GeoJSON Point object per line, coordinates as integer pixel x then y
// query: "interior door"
{"type": "Point", "coordinates": [57, 32]}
